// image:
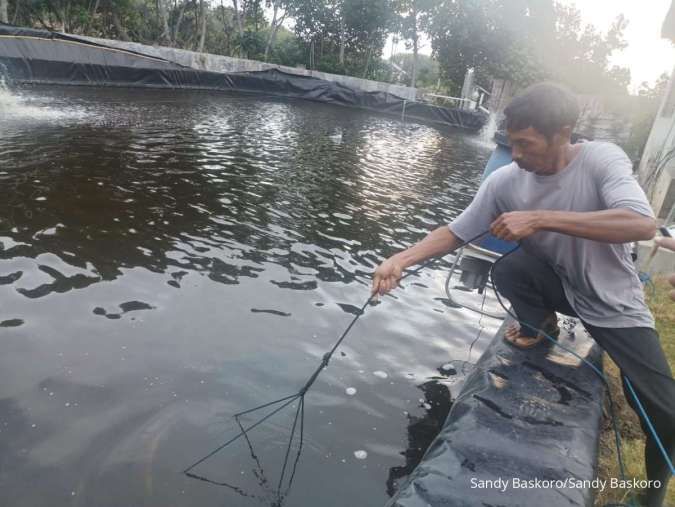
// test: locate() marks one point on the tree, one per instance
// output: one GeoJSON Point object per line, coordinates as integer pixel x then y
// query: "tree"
{"type": "Point", "coordinates": [427, 69]}
{"type": "Point", "coordinates": [240, 23]}
{"type": "Point", "coordinates": [645, 108]}
{"type": "Point", "coordinates": [202, 16]}
{"type": "Point", "coordinates": [407, 25]}
{"type": "Point", "coordinates": [4, 18]}
{"type": "Point", "coordinates": [518, 40]}
{"type": "Point", "coordinates": [523, 41]}
{"type": "Point", "coordinates": [343, 36]}
{"type": "Point", "coordinates": [286, 7]}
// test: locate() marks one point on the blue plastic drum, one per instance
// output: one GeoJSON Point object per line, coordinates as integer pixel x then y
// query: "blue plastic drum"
{"type": "Point", "coordinates": [500, 157]}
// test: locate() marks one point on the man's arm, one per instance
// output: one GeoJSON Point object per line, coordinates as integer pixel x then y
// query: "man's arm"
{"type": "Point", "coordinates": [437, 242]}
{"type": "Point", "coordinates": [668, 243]}
{"type": "Point", "coordinates": [608, 226]}
{"type": "Point", "coordinates": [474, 219]}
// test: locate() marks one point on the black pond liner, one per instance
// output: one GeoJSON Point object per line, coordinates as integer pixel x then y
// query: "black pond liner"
{"type": "Point", "coordinates": [520, 416]}
{"type": "Point", "coordinates": [32, 56]}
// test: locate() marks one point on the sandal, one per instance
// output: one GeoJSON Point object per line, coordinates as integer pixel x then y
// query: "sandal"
{"type": "Point", "coordinates": [549, 326]}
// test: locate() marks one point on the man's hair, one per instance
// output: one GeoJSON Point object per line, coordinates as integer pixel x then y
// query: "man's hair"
{"type": "Point", "coordinates": [546, 107]}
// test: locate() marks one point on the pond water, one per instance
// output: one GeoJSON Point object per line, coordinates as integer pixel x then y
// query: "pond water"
{"type": "Point", "coordinates": [170, 259]}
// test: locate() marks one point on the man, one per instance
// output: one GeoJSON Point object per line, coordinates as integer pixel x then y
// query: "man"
{"type": "Point", "coordinates": [574, 208]}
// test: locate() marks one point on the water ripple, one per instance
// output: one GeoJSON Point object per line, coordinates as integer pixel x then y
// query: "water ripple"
{"type": "Point", "coordinates": [153, 241]}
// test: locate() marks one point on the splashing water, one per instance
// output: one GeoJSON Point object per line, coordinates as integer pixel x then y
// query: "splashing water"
{"type": "Point", "coordinates": [17, 106]}
{"type": "Point", "coordinates": [488, 131]}
{"type": "Point", "coordinates": [7, 100]}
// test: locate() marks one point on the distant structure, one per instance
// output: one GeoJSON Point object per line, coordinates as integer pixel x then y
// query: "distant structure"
{"type": "Point", "coordinates": [657, 166]}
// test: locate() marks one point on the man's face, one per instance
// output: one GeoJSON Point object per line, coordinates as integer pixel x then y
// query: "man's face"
{"type": "Point", "coordinates": [533, 151]}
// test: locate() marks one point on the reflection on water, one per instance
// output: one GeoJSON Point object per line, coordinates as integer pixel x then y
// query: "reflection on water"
{"type": "Point", "coordinates": [167, 260]}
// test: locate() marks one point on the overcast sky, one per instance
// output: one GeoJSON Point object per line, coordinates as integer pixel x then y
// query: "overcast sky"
{"type": "Point", "coordinates": [647, 55]}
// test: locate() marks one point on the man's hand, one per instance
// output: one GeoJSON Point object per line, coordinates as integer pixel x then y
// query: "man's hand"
{"type": "Point", "coordinates": [386, 276]}
{"type": "Point", "coordinates": [664, 242]}
{"type": "Point", "coordinates": [668, 243]}
{"type": "Point", "coordinates": [515, 225]}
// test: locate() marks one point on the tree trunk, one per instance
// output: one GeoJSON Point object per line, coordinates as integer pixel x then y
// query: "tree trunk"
{"type": "Point", "coordinates": [273, 31]}
{"type": "Point", "coordinates": [92, 13]}
{"type": "Point", "coordinates": [202, 38]}
{"type": "Point", "coordinates": [179, 21]}
{"type": "Point", "coordinates": [3, 11]}
{"type": "Point", "coordinates": [240, 26]}
{"type": "Point", "coordinates": [121, 31]}
{"type": "Point", "coordinates": [66, 19]}
{"type": "Point", "coordinates": [226, 29]}
{"type": "Point", "coordinates": [369, 54]}
{"type": "Point", "coordinates": [16, 12]}
{"type": "Point", "coordinates": [311, 55]}
{"type": "Point", "coordinates": [164, 20]}
{"type": "Point", "coordinates": [413, 81]}
{"type": "Point", "coordinates": [343, 42]}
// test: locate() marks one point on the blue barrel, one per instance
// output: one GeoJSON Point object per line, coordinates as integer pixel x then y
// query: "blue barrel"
{"type": "Point", "coordinates": [500, 157]}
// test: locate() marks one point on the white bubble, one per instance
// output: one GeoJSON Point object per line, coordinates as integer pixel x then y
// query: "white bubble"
{"type": "Point", "coordinates": [350, 391]}
{"type": "Point", "coordinates": [447, 367]}
{"type": "Point", "coordinates": [361, 454]}
{"type": "Point", "coordinates": [427, 406]}
{"type": "Point", "coordinates": [380, 374]}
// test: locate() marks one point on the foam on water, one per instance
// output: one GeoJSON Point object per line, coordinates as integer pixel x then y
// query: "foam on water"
{"type": "Point", "coordinates": [17, 106]}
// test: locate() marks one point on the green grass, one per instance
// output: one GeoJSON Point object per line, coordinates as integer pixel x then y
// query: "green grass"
{"type": "Point", "coordinates": [632, 438]}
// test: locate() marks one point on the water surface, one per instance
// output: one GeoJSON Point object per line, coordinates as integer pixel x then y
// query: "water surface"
{"type": "Point", "coordinates": [169, 259]}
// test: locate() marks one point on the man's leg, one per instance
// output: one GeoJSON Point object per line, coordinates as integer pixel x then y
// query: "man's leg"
{"type": "Point", "coordinates": [638, 354]}
{"type": "Point", "coordinates": [533, 289]}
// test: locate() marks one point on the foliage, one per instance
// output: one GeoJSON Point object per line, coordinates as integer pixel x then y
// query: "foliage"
{"type": "Point", "coordinates": [428, 70]}
{"type": "Point", "coordinates": [645, 107]}
{"type": "Point", "coordinates": [519, 40]}
{"type": "Point", "coordinates": [524, 41]}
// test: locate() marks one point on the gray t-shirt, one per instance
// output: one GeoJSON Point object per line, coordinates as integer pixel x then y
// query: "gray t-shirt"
{"type": "Point", "coordinates": [600, 279]}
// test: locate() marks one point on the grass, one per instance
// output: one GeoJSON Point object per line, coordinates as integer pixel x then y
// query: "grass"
{"type": "Point", "coordinates": [632, 438]}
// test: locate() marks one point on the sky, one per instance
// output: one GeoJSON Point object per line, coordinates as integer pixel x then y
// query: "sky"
{"type": "Point", "coordinates": [647, 55]}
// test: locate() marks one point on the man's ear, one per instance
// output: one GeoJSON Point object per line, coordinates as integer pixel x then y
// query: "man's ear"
{"type": "Point", "coordinates": [566, 132]}
{"type": "Point", "coordinates": [563, 135]}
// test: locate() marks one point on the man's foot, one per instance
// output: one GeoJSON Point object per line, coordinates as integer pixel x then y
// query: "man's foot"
{"type": "Point", "coordinates": [513, 337]}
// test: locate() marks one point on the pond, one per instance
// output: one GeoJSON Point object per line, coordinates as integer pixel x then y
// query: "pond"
{"type": "Point", "coordinates": [168, 259]}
